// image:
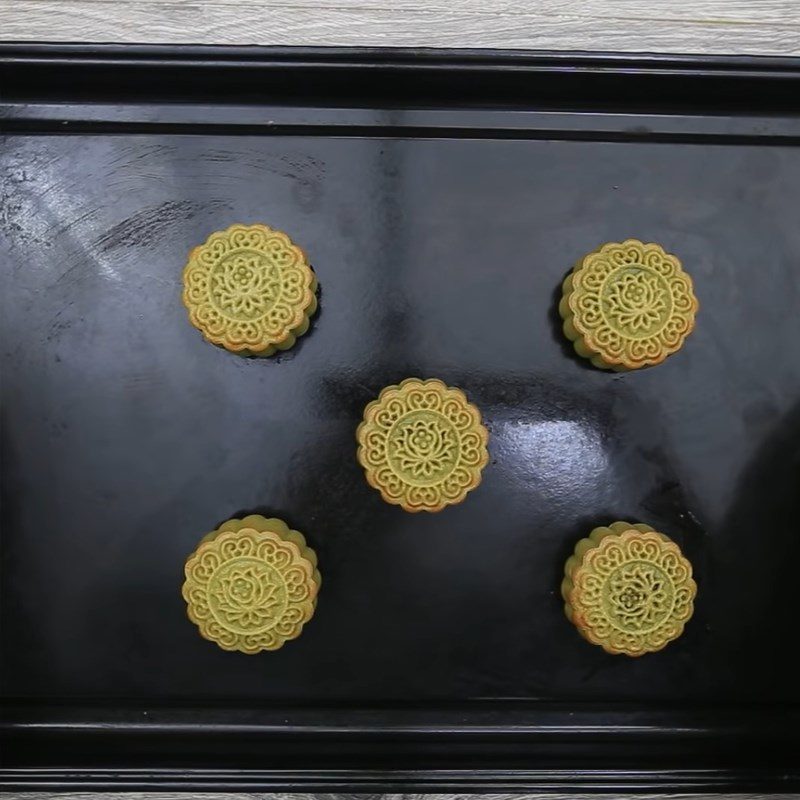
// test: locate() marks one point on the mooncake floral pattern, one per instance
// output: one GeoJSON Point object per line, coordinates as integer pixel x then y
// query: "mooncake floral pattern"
{"type": "Point", "coordinates": [637, 301]}
{"type": "Point", "coordinates": [628, 305]}
{"type": "Point", "coordinates": [245, 286]}
{"type": "Point", "coordinates": [422, 445]}
{"type": "Point", "coordinates": [249, 590]}
{"type": "Point", "coordinates": [632, 593]}
{"type": "Point", "coordinates": [247, 595]}
{"type": "Point", "coordinates": [639, 596]}
{"type": "Point", "coordinates": [249, 289]}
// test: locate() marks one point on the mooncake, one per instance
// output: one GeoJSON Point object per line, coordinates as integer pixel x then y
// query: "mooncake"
{"type": "Point", "coordinates": [250, 290]}
{"type": "Point", "coordinates": [422, 445]}
{"type": "Point", "coordinates": [251, 584]}
{"type": "Point", "coordinates": [628, 589]}
{"type": "Point", "coordinates": [628, 305]}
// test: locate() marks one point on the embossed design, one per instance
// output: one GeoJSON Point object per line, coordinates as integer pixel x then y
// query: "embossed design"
{"type": "Point", "coordinates": [636, 302]}
{"type": "Point", "coordinates": [245, 286]}
{"type": "Point", "coordinates": [628, 305]}
{"type": "Point", "coordinates": [639, 596]}
{"type": "Point", "coordinates": [422, 445]}
{"type": "Point", "coordinates": [247, 594]}
{"type": "Point", "coordinates": [629, 589]}
{"type": "Point", "coordinates": [250, 290]}
{"type": "Point", "coordinates": [251, 585]}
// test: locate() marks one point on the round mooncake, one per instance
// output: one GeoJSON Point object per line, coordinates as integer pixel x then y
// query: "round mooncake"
{"type": "Point", "coordinates": [628, 589]}
{"type": "Point", "coordinates": [252, 584]}
{"type": "Point", "coordinates": [422, 445]}
{"type": "Point", "coordinates": [250, 290]}
{"type": "Point", "coordinates": [628, 305]}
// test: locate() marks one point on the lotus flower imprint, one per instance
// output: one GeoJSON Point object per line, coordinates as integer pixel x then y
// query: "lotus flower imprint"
{"type": "Point", "coordinates": [425, 447]}
{"type": "Point", "coordinates": [639, 597]}
{"type": "Point", "coordinates": [246, 597]}
{"type": "Point", "coordinates": [637, 301]}
{"type": "Point", "coordinates": [245, 286]}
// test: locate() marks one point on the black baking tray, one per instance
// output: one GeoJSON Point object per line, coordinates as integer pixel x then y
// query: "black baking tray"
{"type": "Point", "coordinates": [442, 197]}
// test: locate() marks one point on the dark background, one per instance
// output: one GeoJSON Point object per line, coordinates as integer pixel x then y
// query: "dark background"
{"type": "Point", "coordinates": [126, 437]}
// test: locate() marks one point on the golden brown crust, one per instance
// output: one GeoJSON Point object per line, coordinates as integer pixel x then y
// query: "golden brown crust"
{"type": "Point", "coordinates": [422, 445]}
{"type": "Point", "coordinates": [628, 305]}
{"type": "Point", "coordinates": [628, 589]}
{"type": "Point", "coordinates": [251, 585]}
{"type": "Point", "coordinates": [250, 290]}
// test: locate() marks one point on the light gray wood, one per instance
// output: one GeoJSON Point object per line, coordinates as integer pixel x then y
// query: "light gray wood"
{"type": "Point", "coordinates": [230, 796]}
{"type": "Point", "coordinates": [223, 796]}
{"type": "Point", "coordinates": [689, 26]}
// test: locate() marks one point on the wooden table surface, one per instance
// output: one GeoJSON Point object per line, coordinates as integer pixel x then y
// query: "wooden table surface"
{"type": "Point", "coordinates": [226, 796]}
{"type": "Point", "coordinates": [676, 26]}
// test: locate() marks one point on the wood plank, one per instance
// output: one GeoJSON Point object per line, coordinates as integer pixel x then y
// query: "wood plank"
{"type": "Point", "coordinates": [720, 11]}
{"type": "Point", "coordinates": [708, 26]}
{"type": "Point", "coordinates": [282, 796]}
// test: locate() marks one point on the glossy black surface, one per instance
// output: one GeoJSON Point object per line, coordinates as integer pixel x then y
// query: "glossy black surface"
{"type": "Point", "coordinates": [125, 437]}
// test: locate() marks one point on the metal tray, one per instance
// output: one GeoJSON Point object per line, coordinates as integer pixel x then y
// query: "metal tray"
{"type": "Point", "coordinates": [442, 197]}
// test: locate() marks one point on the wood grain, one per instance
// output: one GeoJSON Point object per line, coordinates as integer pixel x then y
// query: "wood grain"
{"type": "Point", "coordinates": [280, 796]}
{"type": "Point", "coordinates": [704, 26]}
